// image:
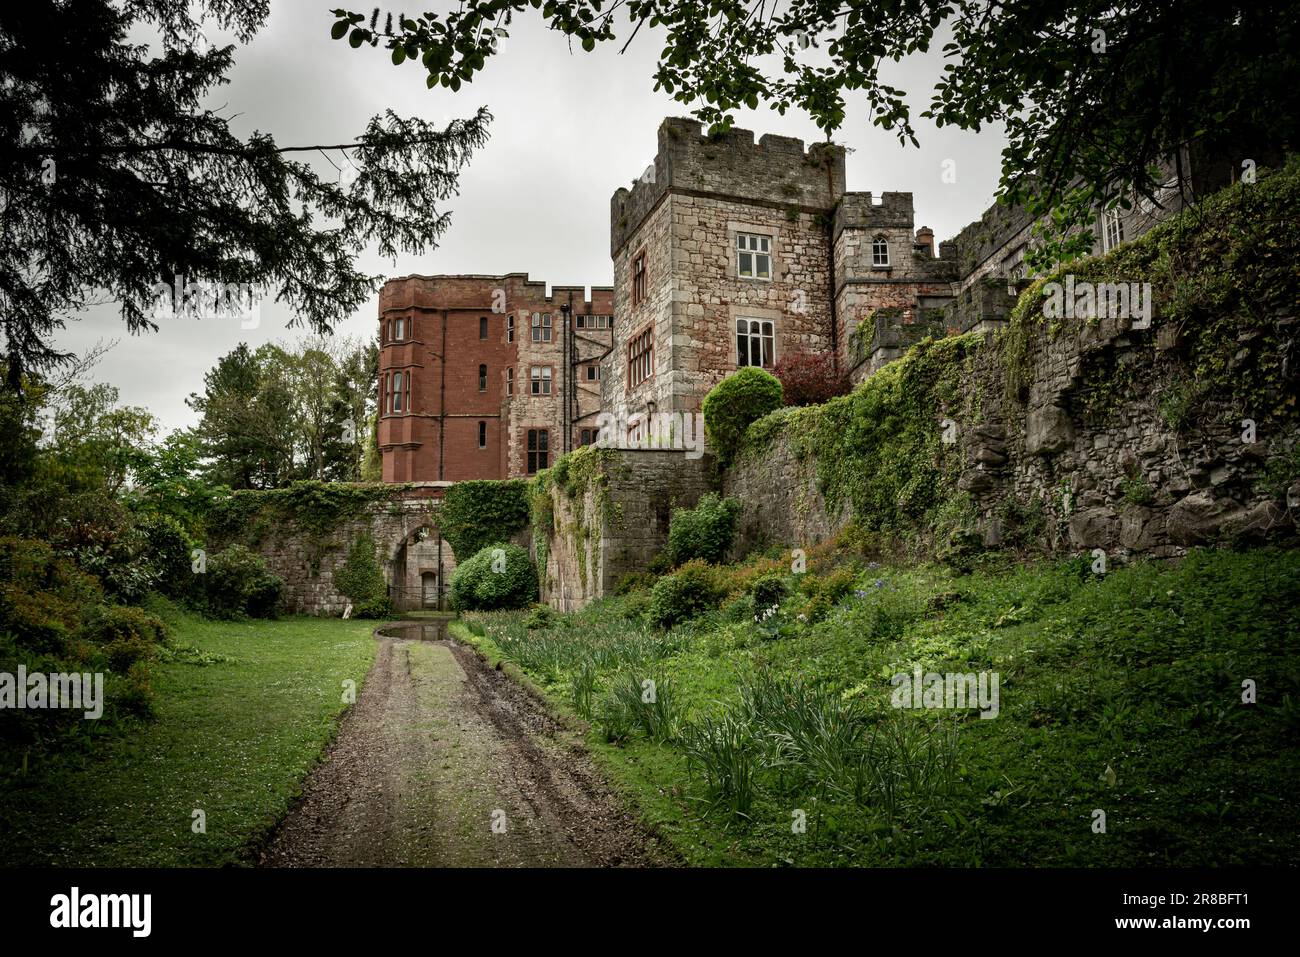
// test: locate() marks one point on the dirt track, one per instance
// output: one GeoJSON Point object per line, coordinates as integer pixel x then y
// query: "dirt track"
{"type": "Point", "coordinates": [444, 762]}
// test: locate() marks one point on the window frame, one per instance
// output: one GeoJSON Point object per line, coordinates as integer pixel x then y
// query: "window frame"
{"type": "Point", "coordinates": [396, 382]}
{"type": "Point", "coordinates": [540, 377]}
{"type": "Point", "coordinates": [482, 433]}
{"type": "Point", "coordinates": [879, 243]}
{"type": "Point", "coordinates": [482, 327]}
{"type": "Point", "coordinates": [1111, 218]}
{"type": "Point", "coordinates": [640, 357]}
{"type": "Point", "coordinates": [482, 376]}
{"type": "Point", "coordinates": [640, 269]}
{"type": "Point", "coordinates": [541, 327]}
{"type": "Point", "coordinates": [537, 448]}
{"type": "Point", "coordinates": [510, 380]}
{"type": "Point", "coordinates": [510, 327]}
{"type": "Point", "coordinates": [760, 331]}
{"type": "Point", "coordinates": [755, 246]}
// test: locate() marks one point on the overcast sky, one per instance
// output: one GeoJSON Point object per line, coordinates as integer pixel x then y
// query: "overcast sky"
{"type": "Point", "coordinates": [569, 129]}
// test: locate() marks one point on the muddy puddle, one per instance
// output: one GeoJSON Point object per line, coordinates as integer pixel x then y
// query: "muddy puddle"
{"type": "Point", "coordinates": [433, 629]}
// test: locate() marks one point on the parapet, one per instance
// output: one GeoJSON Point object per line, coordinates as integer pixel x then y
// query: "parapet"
{"type": "Point", "coordinates": [863, 211]}
{"type": "Point", "coordinates": [776, 169]}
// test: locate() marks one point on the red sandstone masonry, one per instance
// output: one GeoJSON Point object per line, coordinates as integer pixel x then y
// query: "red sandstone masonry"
{"type": "Point", "coordinates": [437, 437]}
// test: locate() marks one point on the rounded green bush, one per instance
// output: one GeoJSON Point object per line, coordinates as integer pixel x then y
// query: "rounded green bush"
{"type": "Point", "coordinates": [703, 532]}
{"type": "Point", "coordinates": [692, 589]}
{"type": "Point", "coordinates": [125, 635]}
{"type": "Point", "coordinates": [739, 399]}
{"type": "Point", "coordinates": [497, 576]}
{"type": "Point", "coordinates": [237, 583]}
{"type": "Point", "coordinates": [767, 591]}
{"type": "Point", "coordinates": [168, 550]}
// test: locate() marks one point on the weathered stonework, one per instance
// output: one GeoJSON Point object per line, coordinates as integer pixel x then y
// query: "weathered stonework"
{"type": "Point", "coordinates": [416, 562]}
{"type": "Point", "coordinates": [617, 524]}
{"type": "Point", "coordinates": [1124, 480]}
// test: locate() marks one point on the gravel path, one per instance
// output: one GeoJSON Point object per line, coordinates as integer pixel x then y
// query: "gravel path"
{"type": "Point", "coordinates": [444, 762]}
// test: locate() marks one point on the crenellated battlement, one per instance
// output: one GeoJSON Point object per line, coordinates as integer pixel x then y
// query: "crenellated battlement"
{"type": "Point", "coordinates": [777, 170]}
{"type": "Point", "coordinates": [863, 211]}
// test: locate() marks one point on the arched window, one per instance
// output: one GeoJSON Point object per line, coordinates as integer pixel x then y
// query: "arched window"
{"type": "Point", "coordinates": [482, 378]}
{"type": "Point", "coordinates": [755, 343]}
{"type": "Point", "coordinates": [879, 251]}
{"type": "Point", "coordinates": [482, 327]}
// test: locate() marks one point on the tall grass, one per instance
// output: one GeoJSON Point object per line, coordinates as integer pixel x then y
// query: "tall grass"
{"type": "Point", "coordinates": [788, 737]}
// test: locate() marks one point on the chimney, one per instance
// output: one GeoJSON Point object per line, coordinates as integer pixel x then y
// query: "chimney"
{"type": "Point", "coordinates": [925, 237]}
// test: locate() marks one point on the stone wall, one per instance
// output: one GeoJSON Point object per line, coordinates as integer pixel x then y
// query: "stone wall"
{"type": "Point", "coordinates": [783, 504]}
{"type": "Point", "coordinates": [409, 549]}
{"type": "Point", "coordinates": [617, 522]}
{"type": "Point", "coordinates": [1120, 478]}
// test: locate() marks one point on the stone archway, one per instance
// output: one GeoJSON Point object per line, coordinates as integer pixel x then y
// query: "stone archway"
{"type": "Point", "coordinates": [420, 569]}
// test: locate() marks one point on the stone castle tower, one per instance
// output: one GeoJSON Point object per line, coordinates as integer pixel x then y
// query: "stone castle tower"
{"type": "Point", "coordinates": [730, 252]}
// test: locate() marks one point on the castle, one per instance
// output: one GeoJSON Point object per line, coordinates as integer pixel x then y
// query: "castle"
{"type": "Point", "coordinates": [726, 252]}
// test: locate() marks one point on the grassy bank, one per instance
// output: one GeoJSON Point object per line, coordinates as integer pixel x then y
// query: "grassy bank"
{"type": "Point", "coordinates": [243, 711]}
{"type": "Point", "coordinates": [776, 742]}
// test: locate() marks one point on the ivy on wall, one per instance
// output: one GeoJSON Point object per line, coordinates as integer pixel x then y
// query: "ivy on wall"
{"type": "Point", "coordinates": [317, 507]}
{"type": "Point", "coordinates": [1225, 287]}
{"type": "Point", "coordinates": [880, 449]}
{"type": "Point", "coordinates": [479, 513]}
{"type": "Point", "coordinates": [361, 580]}
{"type": "Point", "coordinates": [575, 474]}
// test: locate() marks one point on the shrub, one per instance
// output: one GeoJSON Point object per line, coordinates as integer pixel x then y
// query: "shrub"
{"type": "Point", "coordinates": [634, 582]}
{"type": "Point", "coordinates": [238, 584]}
{"type": "Point", "coordinates": [810, 378]}
{"type": "Point", "coordinates": [539, 619]}
{"type": "Point", "coordinates": [692, 589]}
{"type": "Point", "coordinates": [479, 586]}
{"type": "Point", "coordinates": [167, 550]}
{"type": "Point", "coordinates": [767, 591]}
{"type": "Point", "coordinates": [739, 399]}
{"type": "Point", "coordinates": [361, 582]}
{"type": "Point", "coordinates": [42, 595]}
{"type": "Point", "coordinates": [704, 532]}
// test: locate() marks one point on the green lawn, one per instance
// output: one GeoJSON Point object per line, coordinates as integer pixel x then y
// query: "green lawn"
{"type": "Point", "coordinates": [1120, 694]}
{"type": "Point", "coordinates": [240, 722]}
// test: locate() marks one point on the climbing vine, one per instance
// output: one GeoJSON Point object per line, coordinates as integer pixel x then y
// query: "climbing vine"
{"type": "Point", "coordinates": [1225, 286]}
{"type": "Point", "coordinates": [575, 474]}
{"type": "Point", "coordinates": [479, 513]}
{"type": "Point", "coordinates": [880, 449]}
{"type": "Point", "coordinates": [317, 507]}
